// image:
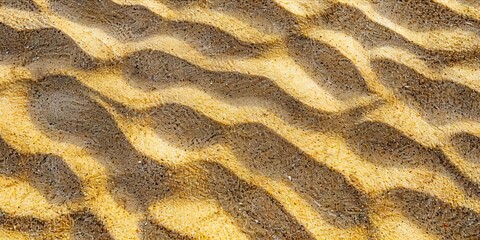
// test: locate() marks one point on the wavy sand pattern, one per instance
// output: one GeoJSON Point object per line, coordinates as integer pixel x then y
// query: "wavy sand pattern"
{"type": "Point", "coordinates": [215, 119]}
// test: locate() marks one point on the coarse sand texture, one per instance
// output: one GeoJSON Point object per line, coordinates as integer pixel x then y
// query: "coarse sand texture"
{"type": "Point", "coordinates": [239, 119]}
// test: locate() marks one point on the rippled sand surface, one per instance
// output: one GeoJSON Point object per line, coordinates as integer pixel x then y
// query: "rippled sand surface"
{"type": "Point", "coordinates": [248, 119]}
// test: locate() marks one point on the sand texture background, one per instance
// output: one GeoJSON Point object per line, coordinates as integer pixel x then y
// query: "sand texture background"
{"type": "Point", "coordinates": [239, 119]}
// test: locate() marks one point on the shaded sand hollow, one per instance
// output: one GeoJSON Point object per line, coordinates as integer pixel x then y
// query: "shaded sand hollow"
{"type": "Point", "coordinates": [248, 119]}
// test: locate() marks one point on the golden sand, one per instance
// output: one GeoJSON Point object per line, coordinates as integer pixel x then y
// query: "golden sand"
{"type": "Point", "coordinates": [222, 119]}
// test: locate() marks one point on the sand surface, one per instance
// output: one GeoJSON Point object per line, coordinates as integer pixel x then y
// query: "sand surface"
{"type": "Point", "coordinates": [239, 119]}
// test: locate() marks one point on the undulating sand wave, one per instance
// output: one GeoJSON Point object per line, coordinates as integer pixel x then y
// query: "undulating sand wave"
{"type": "Point", "coordinates": [213, 119]}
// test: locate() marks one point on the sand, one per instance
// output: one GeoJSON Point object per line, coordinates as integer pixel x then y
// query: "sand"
{"type": "Point", "coordinates": [216, 119]}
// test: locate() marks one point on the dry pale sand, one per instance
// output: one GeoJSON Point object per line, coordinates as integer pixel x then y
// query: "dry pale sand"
{"type": "Point", "coordinates": [239, 119]}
